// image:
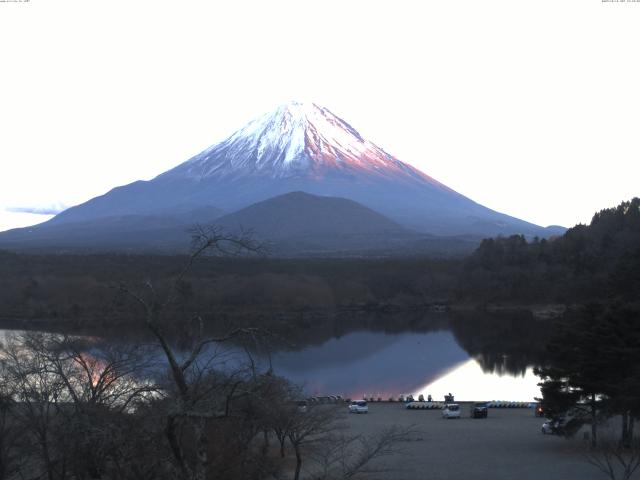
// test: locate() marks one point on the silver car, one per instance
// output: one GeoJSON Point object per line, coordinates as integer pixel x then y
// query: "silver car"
{"type": "Point", "coordinates": [358, 406]}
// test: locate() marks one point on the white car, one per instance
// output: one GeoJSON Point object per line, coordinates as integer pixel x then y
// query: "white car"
{"type": "Point", "coordinates": [451, 410]}
{"type": "Point", "coordinates": [358, 406]}
{"type": "Point", "coordinates": [548, 428]}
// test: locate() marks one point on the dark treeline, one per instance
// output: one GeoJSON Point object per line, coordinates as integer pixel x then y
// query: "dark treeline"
{"type": "Point", "coordinates": [600, 261]}
{"type": "Point", "coordinates": [507, 342]}
{"type": "Point", "coordinates": [81, 290]}
{"type": "Point", "coordinates": [592, 365]}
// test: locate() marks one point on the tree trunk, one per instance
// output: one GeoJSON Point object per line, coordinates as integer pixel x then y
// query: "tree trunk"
{"type": "Point", "coordinates": [174, 444]}
{"type": "Point", "coordinates": [265, 445]}
{"type": "Point", "coordinates": [47, 458]}
{"type": "Point", "coordinates": [632, 421]}
{"type": "Point", "coordinates": [94, 473]}
{"type": "Point", "coordinates": [298, 461]}
{"type": "Point", "coordinates": [594, 422]}
{"type": "Point", "coordinates": [200, 430]}
{"type": "Point", "coordinates": [625, 429]}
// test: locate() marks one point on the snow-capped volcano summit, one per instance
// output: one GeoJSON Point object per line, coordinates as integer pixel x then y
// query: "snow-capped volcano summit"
{"type": "Point", "coordinates": [297, 140]}
{"type": "Point", "coordinates": [299, 147]}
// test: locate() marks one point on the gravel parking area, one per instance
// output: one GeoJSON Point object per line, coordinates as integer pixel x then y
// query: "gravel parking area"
{"type": "Point", "coordinates": [507, 445]}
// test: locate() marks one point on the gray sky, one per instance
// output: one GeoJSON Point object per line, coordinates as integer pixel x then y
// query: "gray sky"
{"type": "Point", "coordinates": [528, 107]}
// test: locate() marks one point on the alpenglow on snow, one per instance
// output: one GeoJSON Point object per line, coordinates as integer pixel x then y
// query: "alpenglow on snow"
{"type": "Point", "coordinates": [297, 139]}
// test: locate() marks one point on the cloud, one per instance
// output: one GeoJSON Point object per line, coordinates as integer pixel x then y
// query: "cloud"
{"type": "Point", "coordinates": [52, 209]}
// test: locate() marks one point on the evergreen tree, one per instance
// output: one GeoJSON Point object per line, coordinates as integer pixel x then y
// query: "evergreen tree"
{"type": "Point", "coordinates": [593, 363]}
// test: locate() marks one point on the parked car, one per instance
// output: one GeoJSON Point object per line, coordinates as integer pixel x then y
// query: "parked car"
{"type": "Point", "coordinates": [358, 406]}
{"type": "Point", "coordinates": [451, 410]}
{"type": "Point", "coordinates": [558, 425]}
{"type": "Point", "coordinates": [549, 428]}
{"type": "Point", "coordinates": [479, 410]}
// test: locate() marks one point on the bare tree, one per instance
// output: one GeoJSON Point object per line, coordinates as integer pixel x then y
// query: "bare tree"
{"type": "Point", "coordinates": [320, 440]}
{"type": "Point", "coordinates": [343, 457]}
{"type": "Point", "coordinates": [71, 398]}
{"type": "Point", "coordinates": [201, 394]}
{"type": "Point", "coordinates": [102, 384]}
{"type": "Point", "coordinates": [39, 396]}
{"type": "Point", "coordinates": [312, 427]}
{"type": "Point", "coordinates": [10, 432]}
{"type": "Point", "coordinates": [283, 412]}
{"type": "Point", "coordinates": [110, 375]}
{"type": "Point", "coordinates": [615, 459]}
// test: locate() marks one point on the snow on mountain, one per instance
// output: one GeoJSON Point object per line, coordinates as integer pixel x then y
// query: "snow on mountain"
{"type": "Point", "coordinates": [297, 140]}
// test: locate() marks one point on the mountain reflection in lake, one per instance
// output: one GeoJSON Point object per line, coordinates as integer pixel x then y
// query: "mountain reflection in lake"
{"type": "Point", "coordinates": [473, 356]}
{"type": "Point", "coordinates": [375, 363]}
{"type": "Point", "coordinates": [370, 362]}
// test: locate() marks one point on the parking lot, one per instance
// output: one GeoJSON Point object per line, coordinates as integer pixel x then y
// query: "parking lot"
{"type": "Point", "coordinates": [506, 445]}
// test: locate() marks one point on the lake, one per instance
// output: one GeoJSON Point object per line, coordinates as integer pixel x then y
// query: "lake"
{"type": "Point", "coordinates": [478, 358]}
{"type": "Point", "coordinates": [383, 365]}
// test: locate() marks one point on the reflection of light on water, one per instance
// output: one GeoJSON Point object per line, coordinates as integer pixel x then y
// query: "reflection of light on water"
{"type": "Point", "coordinates": [372, 363]}
{"type": "Point", "coordinates": [468, 382]}
{"type": "Point", "coordinates": [376, 364]}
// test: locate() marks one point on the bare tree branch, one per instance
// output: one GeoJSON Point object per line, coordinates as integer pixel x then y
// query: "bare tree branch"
{"type": "Point", "coordinates": [614, 459]}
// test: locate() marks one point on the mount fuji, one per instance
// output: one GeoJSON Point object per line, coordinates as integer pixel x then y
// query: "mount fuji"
{"type": "Point", "coordinates": [299, 147]}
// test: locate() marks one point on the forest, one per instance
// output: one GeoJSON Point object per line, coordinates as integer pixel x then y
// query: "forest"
{"type": "Point", "coordinates": [597, 261]}
{"type": "Point", "coordinates": [82, 290]}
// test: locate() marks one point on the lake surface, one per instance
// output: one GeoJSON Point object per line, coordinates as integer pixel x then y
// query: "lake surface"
{"type": "Point", "coordinates": [486, 359]}
{"type": "Point", "coordinates": [385, 365]}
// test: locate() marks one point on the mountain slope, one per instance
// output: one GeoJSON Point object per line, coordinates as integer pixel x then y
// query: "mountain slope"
{"type": "Point", "coordinates": [303, 147]}
{"type": "Point", "coordinates": [294, 224]}
{"type": "Point", "coordinates": [153, 233]}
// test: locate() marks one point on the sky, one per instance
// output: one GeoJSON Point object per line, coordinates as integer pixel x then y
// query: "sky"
{"type": "Point", "coordinates": [527, 107]}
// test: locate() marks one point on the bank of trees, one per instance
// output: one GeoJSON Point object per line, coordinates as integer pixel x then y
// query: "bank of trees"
{"type": "Point", "coordinates": [597, 261]}
{"type": "Point", "coordinates": [76, 289]}
{"type": "Point", "coordinates": [593, 364]}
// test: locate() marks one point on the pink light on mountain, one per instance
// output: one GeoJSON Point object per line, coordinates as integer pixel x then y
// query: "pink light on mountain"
{"type": "Point", "coordinates": [300, 140]}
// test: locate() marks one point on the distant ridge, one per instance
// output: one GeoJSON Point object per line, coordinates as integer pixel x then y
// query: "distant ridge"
{"type": "Point", "coordinates": [299, 214]}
